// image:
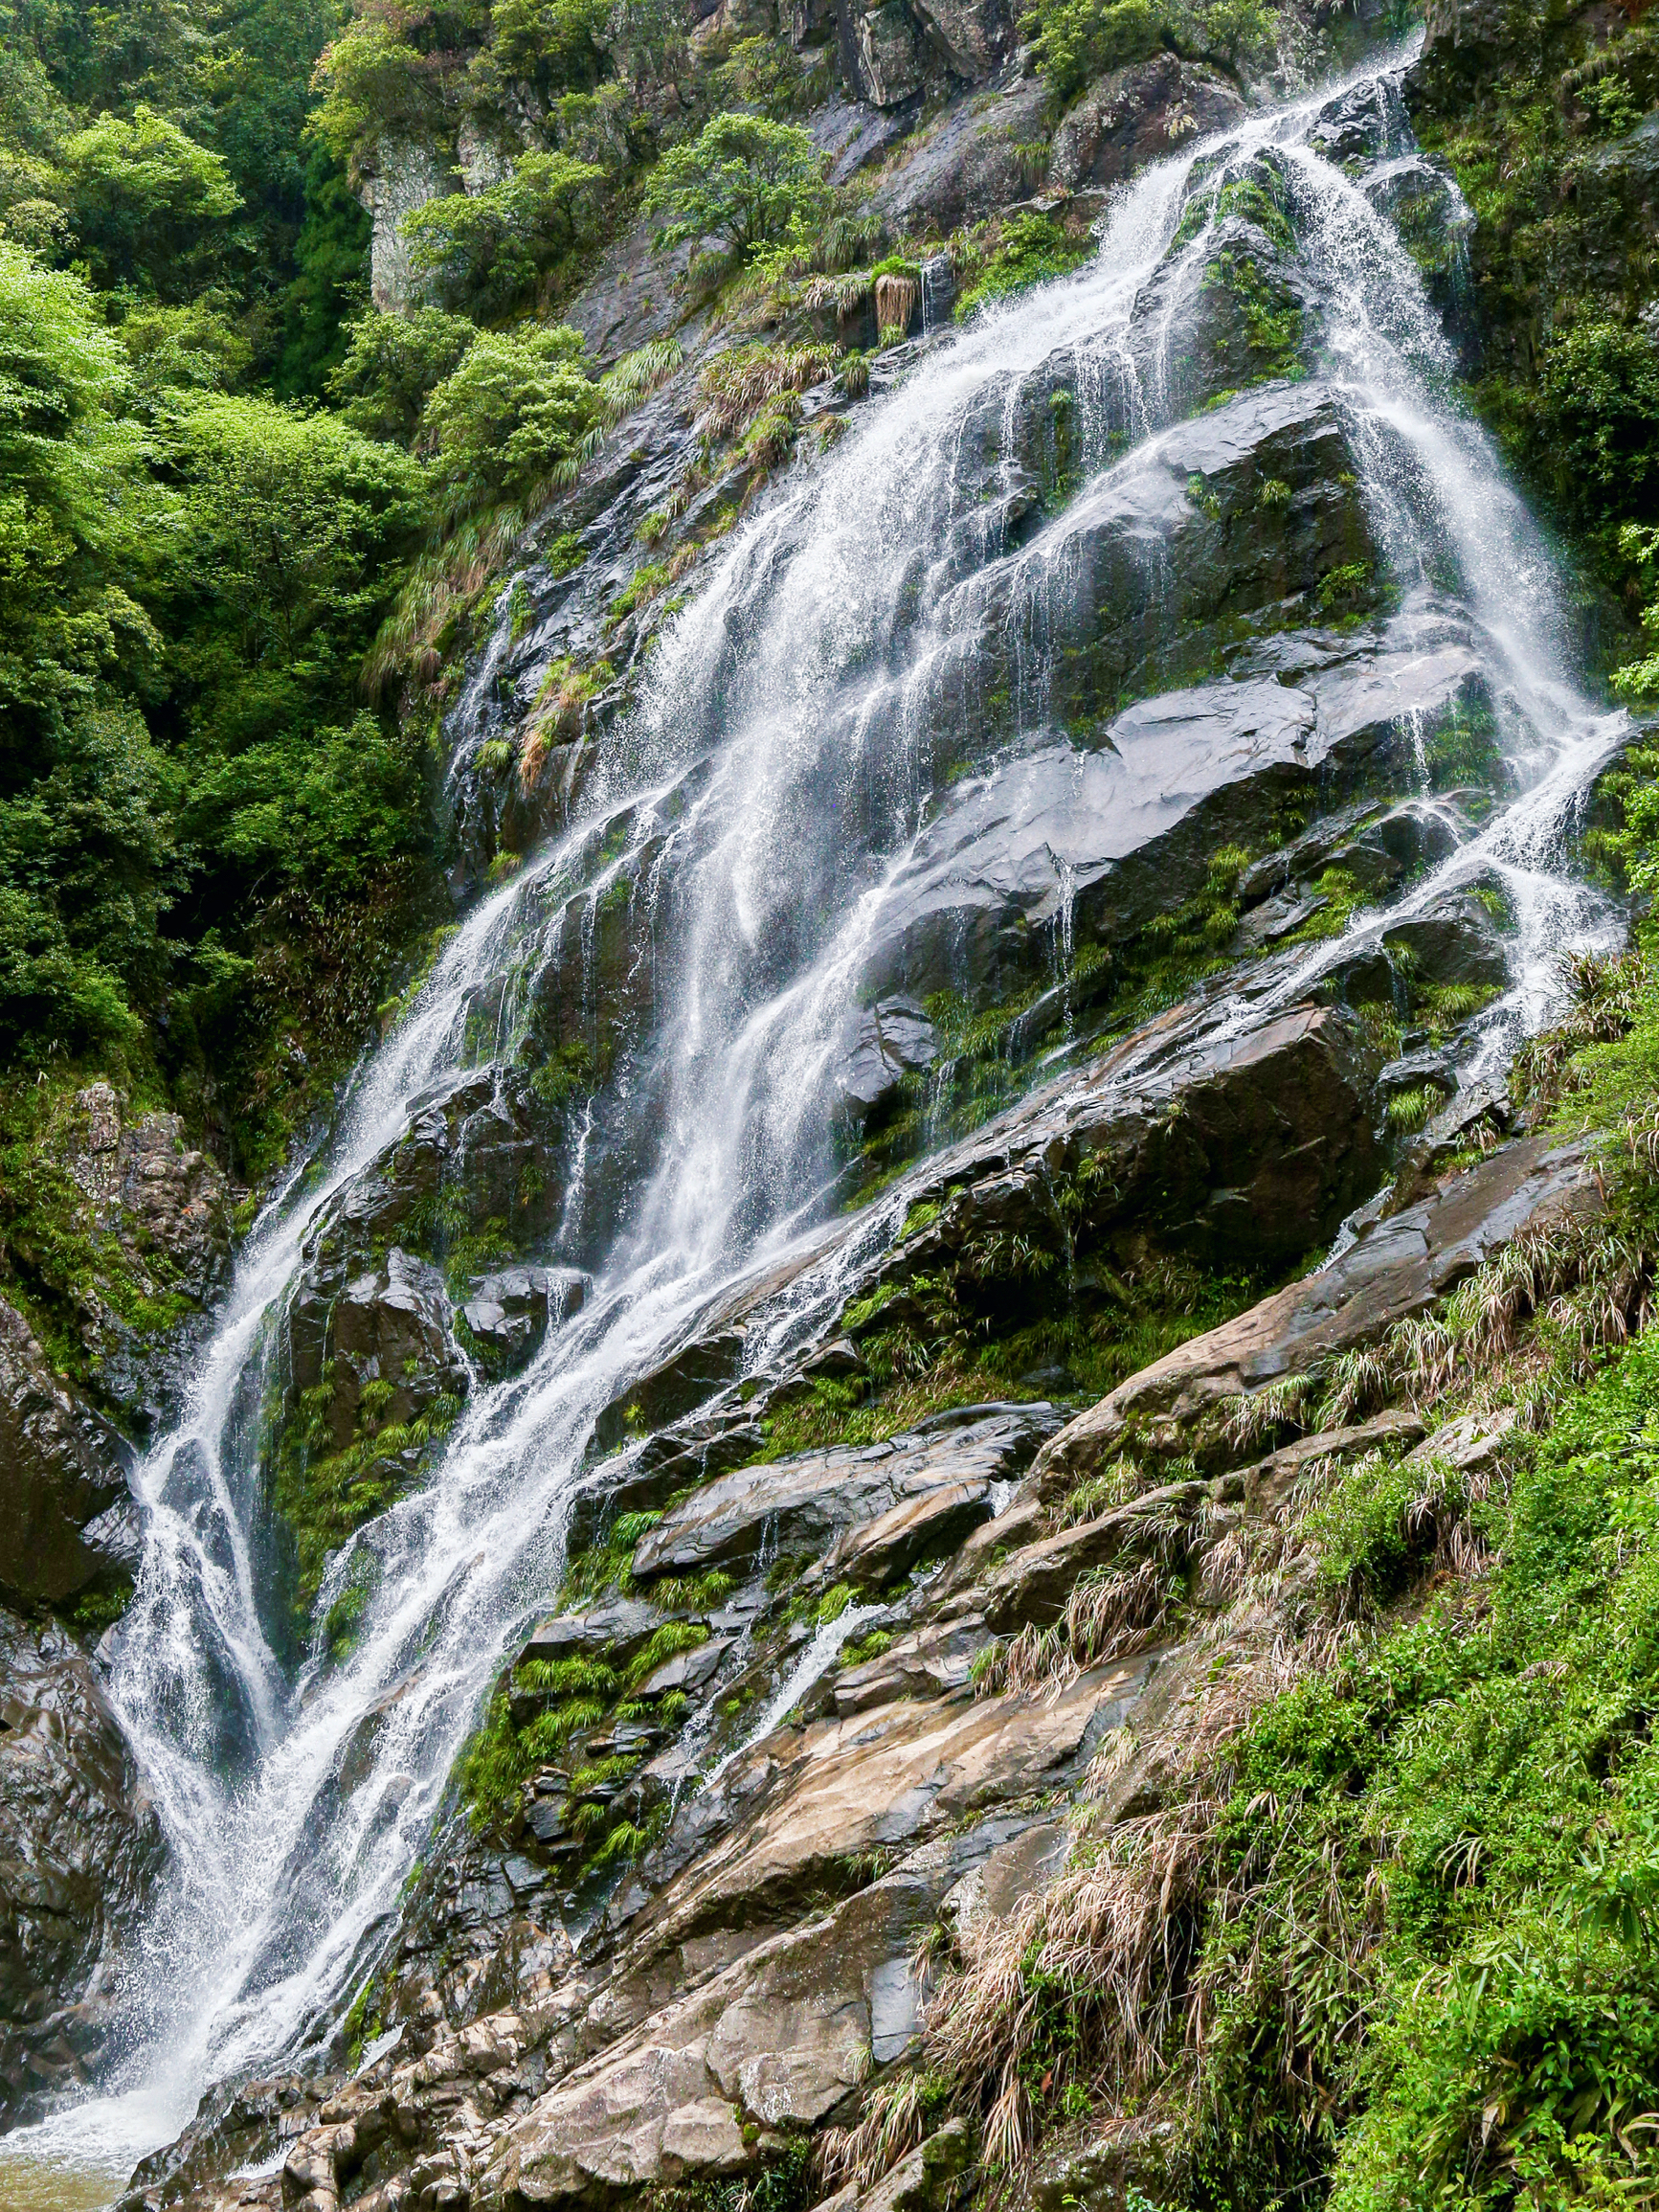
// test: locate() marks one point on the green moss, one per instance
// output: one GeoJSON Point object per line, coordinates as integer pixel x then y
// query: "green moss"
{"type": "Point", "coordinates": [1012, 254]}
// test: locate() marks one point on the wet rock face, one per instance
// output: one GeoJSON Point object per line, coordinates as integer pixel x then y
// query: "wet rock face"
{"type": "Point", "coordinates": [79, 1851]}
{"type": "Point", "coordinates": [69, 1519]}
{"type": "Point", "coordinates": [1397, 1267]}
{"type": "Point", "coordinates": [508, 1314]}
{"type": "Point", "coordinates": [803, 1506]}
{"type": "Point", "coordinates": [389, 1327]}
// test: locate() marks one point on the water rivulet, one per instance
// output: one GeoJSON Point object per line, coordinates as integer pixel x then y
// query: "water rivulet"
{"type": "Point", "coordinates": [1169, 638]}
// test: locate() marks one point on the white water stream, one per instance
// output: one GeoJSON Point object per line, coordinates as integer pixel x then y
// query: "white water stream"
{"type": "Point", "coordinates": [788, 700]}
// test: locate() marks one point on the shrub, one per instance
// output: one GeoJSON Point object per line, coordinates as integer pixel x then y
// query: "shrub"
{"type": "Point", "coordinates": [744, 179]}
{"type": "Point", "coordinates": [392, 365]}
{"type": "Point", "coordinates": [488, 251]}
{"type": "Point", "coordinates": [512, 416]}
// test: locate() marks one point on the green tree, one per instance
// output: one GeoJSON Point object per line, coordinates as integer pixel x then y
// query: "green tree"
{"type": "Point", "coordinates": [293, 527]}
{"type": "Point", "coordinates": [488, 251]}
{"type": "Point", "coordinates": [392, 365]}
{"type": "Point", "coordinates": [1595, 420]}
{"type": "Point", "coordinates": [149, 206]}
{"type": "Point", "coordinates": [318, 810]}
{"type": "Point", "coordinates": [512, 418]}
{"type": "Point", "coordinates": [331, 282]}
{"type": "Point", "coordinates": [557, 46]}
{"type": "Point", "coordinates": [744, 179]}
{"type": "Point", "coordinates": [85, 848]}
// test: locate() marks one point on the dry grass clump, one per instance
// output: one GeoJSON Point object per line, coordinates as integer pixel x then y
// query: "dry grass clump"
{"type": "Point", "coordinates": [894, 2122]}
{"type": "Point", "coordinates": [1256, 1418]}
{"type": "Point", "coordinates": [1090, 1978]}
{"type": "Point", "coordinates": [737, 386]}
{"type": "Point", "coordinates": [1587, 1284]}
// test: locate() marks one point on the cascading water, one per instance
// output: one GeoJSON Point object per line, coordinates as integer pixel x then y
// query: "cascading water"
{"type": "Point", "coordinates": [777, 779]}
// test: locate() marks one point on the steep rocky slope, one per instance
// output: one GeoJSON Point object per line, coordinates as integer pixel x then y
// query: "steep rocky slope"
{"type": "Point", "coordinates": [851, 1641]}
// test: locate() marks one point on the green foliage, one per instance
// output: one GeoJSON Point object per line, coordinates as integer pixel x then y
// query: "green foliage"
{"type": "Point", "coordinates": [490, 252]}
{"type": "Point", "coordinates": [392, 365]}
{"type": "Point", "coordinates": [1024, 250]}
{"type": "Point", "coordinates": [1485, 1809]}
{"type": "Point", "coordinates": [1639, 679]}
{"type": "Point", "coordinates": [512, 417]}
{"type": "Point", "coordinates": [1078, 40]}
{"type": "Point", "coordinates": [149, 205]}
{"type": "Point", "coordinates": [744, 179]}
{"type": "Point", "coordinates": [1595, 420]}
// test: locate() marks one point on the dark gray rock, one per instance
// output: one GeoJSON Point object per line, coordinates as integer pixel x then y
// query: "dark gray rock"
{"type": "Point", "coordinates": [883, 55]}
{"type": "Point", "coordinates": [1397, 1267]}
{"type": "Point", "coordinates": [389, 1326]}
{"type": "Point", "coordinates": [1455, 940]}
{"type": "Point", "coordinates": [80, 1849]}
{"type": "Point", "coordinates": [890, 1041]}
{"type": "Point", "coordinates": [511, 1312]}
{"type": "Point", "coordinates": [807, 1503]}
{"type": "Point", "coordinates": [1138, 115]}
{"type": "Point", "coordinates": [66, 1513]}
{"type": "Point", "coordinates": [969, 164]}
{"type": "Point", "coordinates": [1413, 1070]}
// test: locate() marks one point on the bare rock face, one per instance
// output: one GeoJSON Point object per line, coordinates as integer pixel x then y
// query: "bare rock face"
{"type": "Point", "coordinates": [970, 163]}
{"type": "Point", "coordinates": [79, 1849]}
{"type": "Point", "coordinates": [1138, 115]}
{"type": "Point", "coordinates": [883, 56]}
{"type": "Point", "coordinates": [67, 1521]}
{"type": "Point", "coordinates": [407, 177]}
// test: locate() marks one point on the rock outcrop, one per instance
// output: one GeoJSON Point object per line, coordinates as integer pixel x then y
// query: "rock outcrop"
{"type": "Point", "coordinates": [68, 1521]}
{"type": "Point", "coordinates": [81, 1850]}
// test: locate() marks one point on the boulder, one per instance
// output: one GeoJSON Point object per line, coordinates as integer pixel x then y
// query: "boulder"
{"type": "Point", "coordinates": [65, 1507]}
{"type": "Point", "coordinates": [511, 1312]}
{"type": "Point", "coordinates": [973, 36]}
{"type": "Point", "coordinates": [389, 1326]}
{"type": "Point", "coordinates": [883, 58]}
{"type": "Point", "coordinates": [81, 1850]}
{"type": "Point", "coordinates": [883, 1551]}
{"type": "Point", "coordinates": [1455, 940]}
{"type": "Point", "coordinates": [1395, 1268]}
{"type": "Point", "coordinates": [160, 1211]}
{"type": "Point", "coordinates": [805, 1504]}
{"type": "Point", "coordinates": [883, 1046]}
{"type": "Point", "coordinates": [1138, 115]}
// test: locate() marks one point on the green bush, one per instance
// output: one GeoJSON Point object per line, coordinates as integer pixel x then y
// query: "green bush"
{"type": "Point", "coordinates": [744, 179]}
{"type": "Point", "coordinates": [1029, 248]}
{"type": "Point", "coordinates": [488, 251]}
{"type": "Point", "coordinates": [1595, 420]}
{"type": "Point", "coordinates": [147, 203]}
{"type": "Point", "coordinates": [512, 417]}
{"type": "Point", "coordinates": [391, 365]}
{"type": "Point", "coordinates": [1075, 41]}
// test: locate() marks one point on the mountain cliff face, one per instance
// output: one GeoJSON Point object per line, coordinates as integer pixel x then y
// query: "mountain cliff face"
{"type": "Point", "coordinates": [937, 1487]}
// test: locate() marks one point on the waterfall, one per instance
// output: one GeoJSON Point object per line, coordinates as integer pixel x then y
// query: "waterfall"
{"type": "Point", "coordinates": [771, 795]}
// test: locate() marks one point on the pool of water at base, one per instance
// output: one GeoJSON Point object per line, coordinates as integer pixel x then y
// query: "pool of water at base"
{"type": "Point", "coordinates": [32, 2183]}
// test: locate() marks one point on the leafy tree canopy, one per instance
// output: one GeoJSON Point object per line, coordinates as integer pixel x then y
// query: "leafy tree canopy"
{"type": "Point", "coordinates": [512, 416]}
{"type": "Point", "coordinates": [744, 179]}
{"type": "Point", "coordinates": [147, 203]}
